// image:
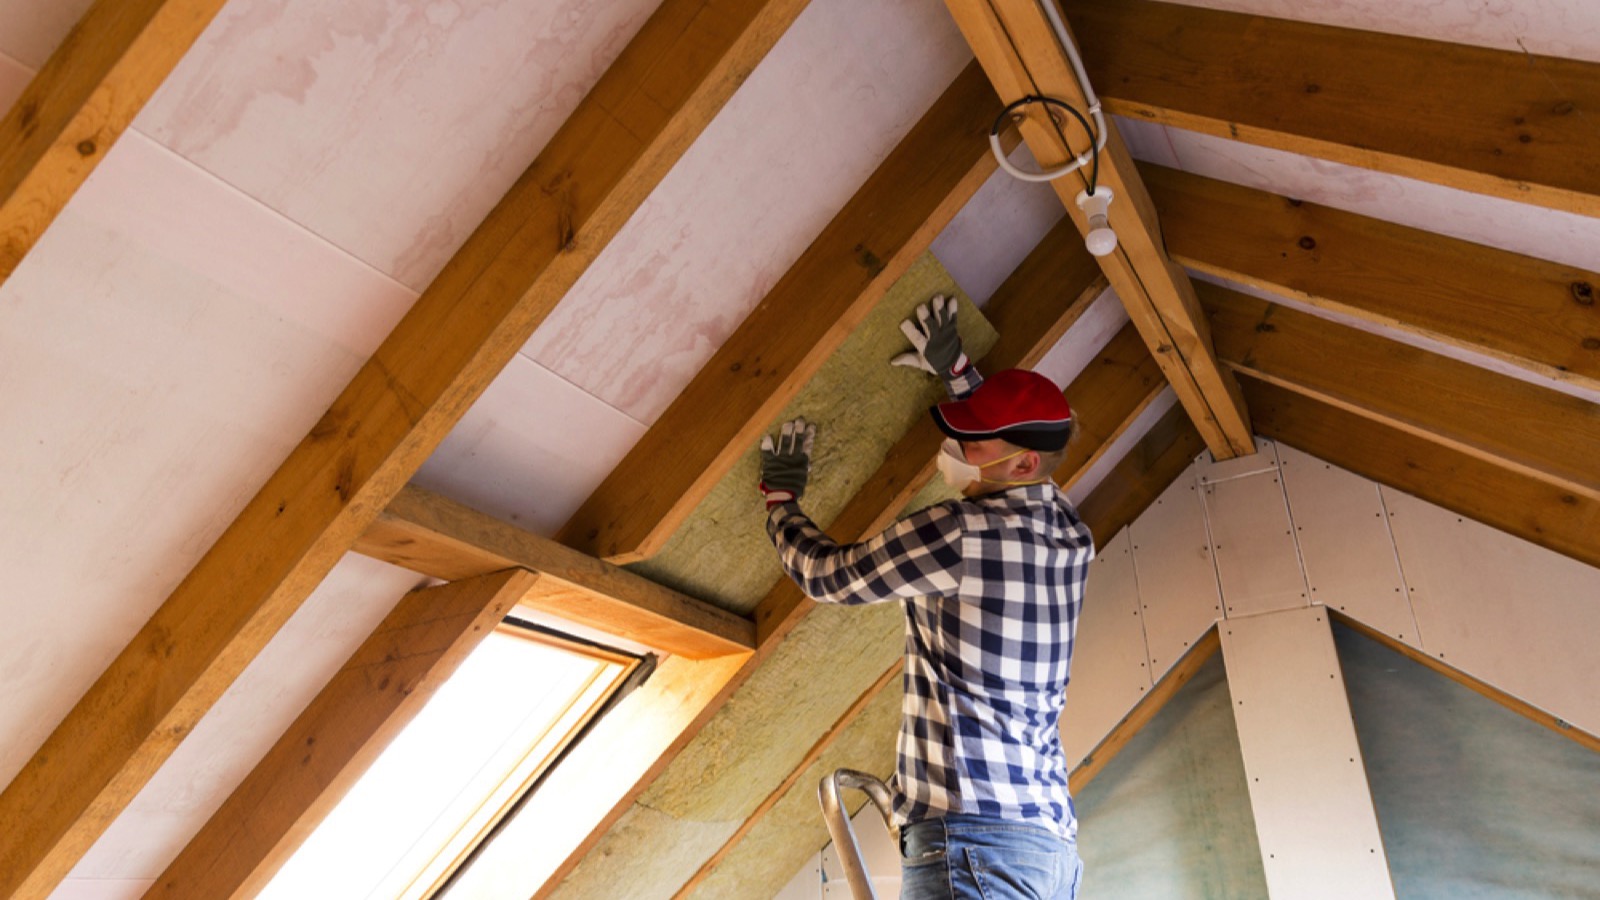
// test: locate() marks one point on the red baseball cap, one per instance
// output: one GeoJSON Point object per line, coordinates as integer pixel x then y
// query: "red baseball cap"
{"type": "Point", "coordinates": [1022, 407]}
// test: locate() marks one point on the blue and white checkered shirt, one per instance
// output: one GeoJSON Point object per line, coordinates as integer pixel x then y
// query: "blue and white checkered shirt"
{"type": "Point", "coordinates": [992, 586]}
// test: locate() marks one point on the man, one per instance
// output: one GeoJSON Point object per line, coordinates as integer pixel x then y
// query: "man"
{"type": "Point", "coordinates": [991, 584]}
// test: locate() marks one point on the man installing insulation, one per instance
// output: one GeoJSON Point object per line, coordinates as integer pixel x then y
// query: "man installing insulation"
{"type": "Point", "coordinates": [991, 585]}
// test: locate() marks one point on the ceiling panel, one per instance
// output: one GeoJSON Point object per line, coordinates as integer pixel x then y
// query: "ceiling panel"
{"type": "Point", "coordinates": [31, 29]}
{"type": "Point", "coordinates": [390, 128]}
{"type": "Point", "coordinates": [997, 229]}
{"type": "Point", "coordinates": [162, 348]}
{"type": "Point", "coordinates": [839, 90]}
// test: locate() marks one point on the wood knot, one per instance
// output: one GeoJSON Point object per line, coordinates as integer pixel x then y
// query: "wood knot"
{"type": "Point", "coordinates": [1308, 243]}
{"type": "Point", "coordinates": [1583, 293]}
{"type": "Point", "coordinates": [86, 148]}
{"type": "Point", "coordinates": [1293, 201]}
{"type": "Point", "coordinates": [1564, 108]}
{"type": "Point", "coordinates": [1313, 88]}
{"type": "Point", "coordinates": [1265, 327]}
{"type": "Point", "coordinates": [1591, 343]}
{"type": "Point", "coordinates": [1525, 138]}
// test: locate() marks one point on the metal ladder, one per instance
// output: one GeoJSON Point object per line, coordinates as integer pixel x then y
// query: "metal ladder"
{"type": "Point", "coordinates": [840, 829]}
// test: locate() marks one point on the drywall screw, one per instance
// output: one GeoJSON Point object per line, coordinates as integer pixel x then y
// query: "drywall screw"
{"type": "Point", "coordinates": [1583, 292]}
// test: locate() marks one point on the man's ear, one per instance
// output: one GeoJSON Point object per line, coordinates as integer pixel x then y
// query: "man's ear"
{"type": "Point", "coordinates": [1029, 463]}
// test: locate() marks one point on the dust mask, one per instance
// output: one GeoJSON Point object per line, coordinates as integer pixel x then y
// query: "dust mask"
{"type": "Point", "coordinates": [958, 473]}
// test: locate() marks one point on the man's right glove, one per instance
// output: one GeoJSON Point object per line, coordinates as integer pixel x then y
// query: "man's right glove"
{"type": "Point", "coordinates": [786, 464]}
{"type": "Point", "coordinates": [933, 333]}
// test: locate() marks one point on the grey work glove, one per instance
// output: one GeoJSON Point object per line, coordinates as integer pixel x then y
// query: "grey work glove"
{"type": "Point", "coordinates": [933, 333]}
{"type": "Point", "coordinates": [786, 463]}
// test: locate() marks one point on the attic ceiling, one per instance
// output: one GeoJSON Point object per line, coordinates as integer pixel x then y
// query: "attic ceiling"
{"type": "Point", "coordinates": [730, 202]}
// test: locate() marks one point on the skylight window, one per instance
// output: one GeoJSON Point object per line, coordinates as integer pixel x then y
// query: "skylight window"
{"type": "Point", "coordinates": [458, 767]}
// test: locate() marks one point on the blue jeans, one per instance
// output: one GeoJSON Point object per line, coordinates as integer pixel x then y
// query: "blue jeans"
{"type": "Point", "coordinates": [963, 857]}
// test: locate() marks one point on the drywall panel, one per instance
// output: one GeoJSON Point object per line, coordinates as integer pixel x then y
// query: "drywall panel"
{"type": "Point", "coordinates": [30, 30]}
{"type": "Point", "coordinates": [1110, 663]}
{"type": "Point", "coordinates": [1503, 610]}
{"type": "Point", "coordinates": [1308, 789]}
{"type": "Point", "coordinates": [163, 347]}
{"type": "Point", "coordinates": [14, 78]}
{"type": "Point", "coordinates": [1169, 816]}
{"type": "Point", "coordinates": [832, 98]}
{"type": "Point", "coordinates": [530, 450]}
{"type": "Point", "coordinates": [1177, 579]}
{"type": "Point", "coordinates": [1084, 340]}
{"type": "Point", "coordinates": [1258, 563]}
{"type": "Point", "coordinates": [1210, 470]}
{"type": "Point", "coordinates": [997, 229]}
{"type": "Point", "coordinates": [1474, 799]}
{"type": "Point", "coordinates": [1349, 555]}
{"type": "Point", "coordinates": [239, 729]}
{"type": "Point", "coordinates": [388, 128]}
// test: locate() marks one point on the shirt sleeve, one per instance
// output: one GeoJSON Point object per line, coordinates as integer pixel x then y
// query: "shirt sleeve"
{"type": "Point", "coordinates": [962, 384]}
{"type": "Point", "coordinates": [917, 556]}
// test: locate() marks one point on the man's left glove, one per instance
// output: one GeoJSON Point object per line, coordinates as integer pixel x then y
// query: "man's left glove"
{"type": "Point", "coordinates": [786, 463]}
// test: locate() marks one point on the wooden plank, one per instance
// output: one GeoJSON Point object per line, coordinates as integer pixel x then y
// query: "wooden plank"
{"type": "Point", "coordinates": [1050, 290]}
{"type": "Point", "coordinates": [1018, 49]}
{"type": "Point", "coordinates": [437, 536]}
{"type": "Point", "coordinates": [1502, 498]}
{"type": "Point", "coordinates": [1520, 707]}
{"type": "Point", "coordinates": [366, 704]}
{"type": "Point", "coordinates": [1107, 397]}
{"type": "Point", "coordinates": [80, 102]}
{"type": "Point", "coordinates": [1535, 314]}
{"type": "Point", "coordinates": [1142, 475]}
{"type": "Point", "coordinates": [1495, 122]}
{"type": "Point", "coordinates": [1145, 711]}
{"type": "Point", "coordinates": [671, 79]}
{"type": "Point", "coordinates": [889, 222]}
{"type": "Point", "coordinates": [1539, 432]}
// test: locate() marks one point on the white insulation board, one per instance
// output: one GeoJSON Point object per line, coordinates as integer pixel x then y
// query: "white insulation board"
{"type": "Point", "coordinates": [1110, 665]}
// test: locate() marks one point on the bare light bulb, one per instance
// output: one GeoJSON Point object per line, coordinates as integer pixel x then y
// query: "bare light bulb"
{"type": "Point", "coordinates": [1100, 239]}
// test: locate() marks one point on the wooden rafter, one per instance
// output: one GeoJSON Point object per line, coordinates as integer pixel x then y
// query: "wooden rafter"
{"type": "Point", "coordinates": [889, 222]}
{"type": "Point", "coordinates": [1018, 49]}
{"type": "Point", "coordinates": [1535, 314]}
{"type": "Point", "coordinates": [77, 106]}
{"type": "Point", "coordinates": [1501, 497]}
{"type": "Point", "coordinates": [427, 533]}
{"type": "Point", "coordinates": [1502, 123]}
{"type": "Point", "coordinates": [1049, 291]}
{"type": "Point", "coordinates": [680, 68]}
{"type": "Point", "coordinates": [1539, 432]}
{"type": "Point", "coordinates": [381, 688]}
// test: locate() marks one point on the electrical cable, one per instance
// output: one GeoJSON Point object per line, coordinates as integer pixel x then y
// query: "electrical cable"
{"type": "Point", "coordinates": [1092, 155]}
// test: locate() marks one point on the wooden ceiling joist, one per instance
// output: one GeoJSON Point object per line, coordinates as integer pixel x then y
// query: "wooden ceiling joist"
{"type": "Point", "coordinates": [77, 106]}
{"type": "Point", "coordinates": [758, 370]}
{"type": "Point", "coordinates": [669, 81]}
{"type": "Point", "coordinates": [1507, 124]}
{"type": "Point", "coordinates": [380, 689]}
{"type": "Point", "coordinates": [437, 536]}
{"type": "Point", "coordinates": [1542, 433]}
{"type": "Point", "coordinates": [1049, 291]}
{"type": "Point", "coordinates": [1536, 314]}
{"type": "Point", "coordinates": [1503, 498]}
{"type": "Point", "coordinates": [1019, 51]}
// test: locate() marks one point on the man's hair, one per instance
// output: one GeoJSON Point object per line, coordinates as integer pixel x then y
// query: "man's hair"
{"type": "Point", "coordinates": [1051, 460]}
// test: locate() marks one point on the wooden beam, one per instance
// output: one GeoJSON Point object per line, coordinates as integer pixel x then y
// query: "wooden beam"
{"type": "Point", "coordinates": [436, 536]}
{"type": "Point", "coordinates": [1507, 124]}
{"type": "Point", "coordinates": [1145, 710]}
{"type": "Point", "coordinates": [1523, 506]}
{"type": "Point", "coordinates": [1149, 468]}
{"type": "Point", "coordinates": [1536, 431]}
{"type": "Point", "coordinates": [366, 704]}
{"type": "Point", "coordinates": [1522, 708]}
{"type": "Point", "coordinates": [1046, 294]}
{"type": "Point", "coordinates": [1018, 49]}
{"type": "Point", "coordinates": [1535, 314]}
{"type": "Point", "coordinates": [1107, 398]}
{"type": "Point", "coordinates": [77, 106]}
{"type": "Point", "coordinates": [889, 222]}
{"type": "Point", "coordinates": [670, 80]}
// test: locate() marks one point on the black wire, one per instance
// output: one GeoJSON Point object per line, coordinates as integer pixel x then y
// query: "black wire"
{"type": "Point", "coordinates": [1094, 139]}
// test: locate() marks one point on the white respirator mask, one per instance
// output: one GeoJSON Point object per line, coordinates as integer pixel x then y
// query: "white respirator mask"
{"type": "Point", "coordinates": [958, 473]}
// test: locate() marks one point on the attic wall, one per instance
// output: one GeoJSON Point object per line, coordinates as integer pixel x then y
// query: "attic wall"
{"type": "Point", "coordinates": [1283, 529]}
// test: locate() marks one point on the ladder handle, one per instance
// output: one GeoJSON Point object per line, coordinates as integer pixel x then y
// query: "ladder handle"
{"type": "Point", "coordinates": [840, 830]}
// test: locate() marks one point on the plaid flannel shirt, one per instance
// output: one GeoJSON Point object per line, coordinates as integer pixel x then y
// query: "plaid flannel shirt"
{"type": "Point", "coordinates": [992, 587]}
